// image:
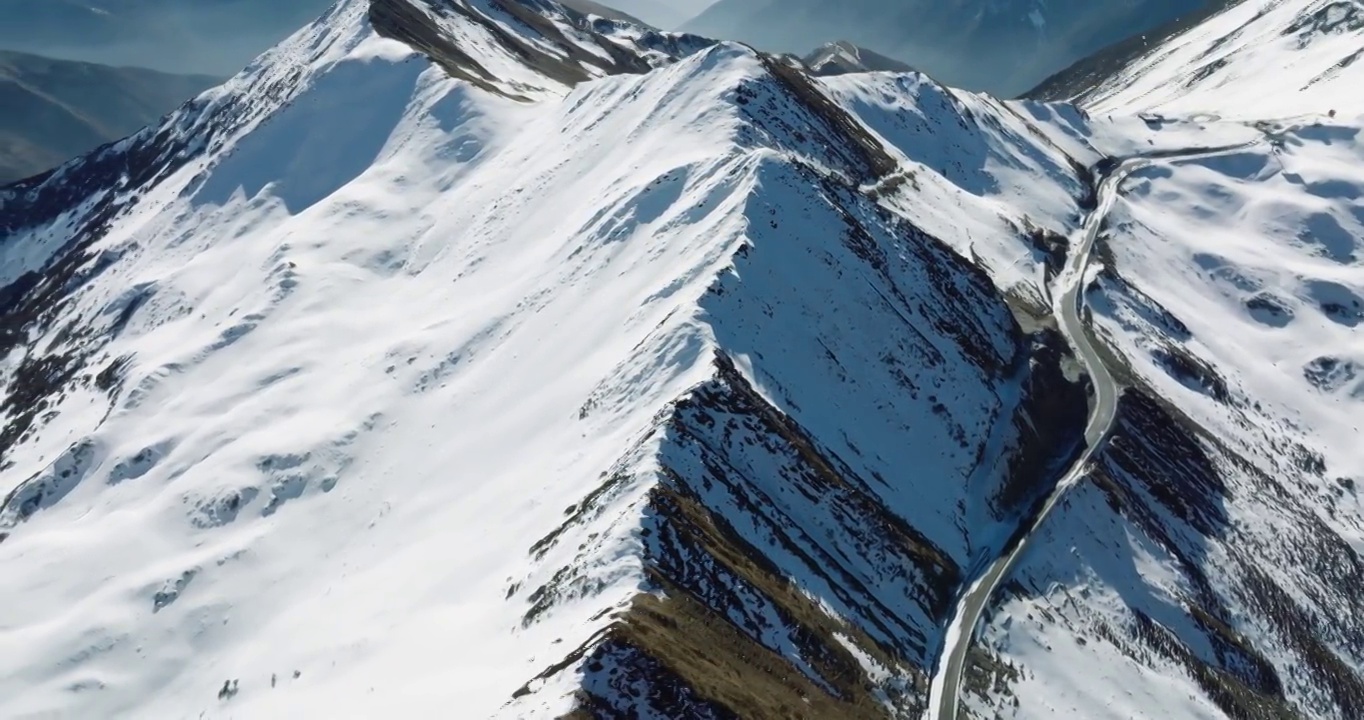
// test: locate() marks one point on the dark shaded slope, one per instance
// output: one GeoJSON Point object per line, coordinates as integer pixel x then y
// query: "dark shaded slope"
{"type": "Point", "coordinates": [1165, 483]}
{"type": "Point", "coordinates": [790, 554]}
{"type": "Point", "coordinates": [838, 58]}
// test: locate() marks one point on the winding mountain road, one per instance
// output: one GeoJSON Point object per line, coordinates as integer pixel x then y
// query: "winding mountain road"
{"type": "Point", "coordinates": [1067, 300]}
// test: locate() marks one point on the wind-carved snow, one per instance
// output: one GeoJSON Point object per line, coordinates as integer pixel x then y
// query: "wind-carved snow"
{"type": "Point", "coordinates": [1204, 566]}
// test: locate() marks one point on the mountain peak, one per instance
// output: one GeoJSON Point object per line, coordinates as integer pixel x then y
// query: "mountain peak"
{"type": "Point", "coordinates": [302, 313]}
{"type": "Point", "coordinates": [557, 43]}
{"type": "Point", "coordinates": [487, 354]}
{"type": "Point", "coordinates": [837, 58]}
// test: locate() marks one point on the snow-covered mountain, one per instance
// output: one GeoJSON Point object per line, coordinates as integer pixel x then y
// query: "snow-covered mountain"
{"type": "Point", "coordinates": [837, 58]}
{"type": "Point", "coordinates": [491, 355]}
{"type": "Point", "coordinates": [1208, 567]}
{"type": "Point", "coordinates": [490, 379]}
{"type": "Point", "coordinates": [1001, 46]}
{"type": "Point", "coordinates": [1254, 60]}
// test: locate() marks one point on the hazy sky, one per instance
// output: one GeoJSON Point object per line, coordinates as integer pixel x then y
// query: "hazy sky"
{"type": "Point", "coordinates": [188, 36]}
{"type": "Point", "coordinates": [216, 37]}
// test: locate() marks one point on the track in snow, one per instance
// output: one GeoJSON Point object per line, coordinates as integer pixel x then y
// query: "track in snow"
{"type": "Point", "coordinates": [1066, 304]}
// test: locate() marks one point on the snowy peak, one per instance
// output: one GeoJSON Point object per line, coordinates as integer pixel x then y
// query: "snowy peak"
{"type": "Point", "coordinates": [487, 354]}
{"type": "Point", "coordinates": [493, 43]}
{"type": "Point", "coordinates": [547, 374]}
{"type": "Point", "coordinates": [838, 58]}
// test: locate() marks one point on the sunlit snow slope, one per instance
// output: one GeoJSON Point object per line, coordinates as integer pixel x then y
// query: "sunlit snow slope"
{"type": "Point", "coordinates": [1209, 566]}
{"type": "Point", "coordinates": [1257, 59]}
{"type": "Point", "coordinates": [486, 358]}
{"type": "Point", "coordinates": [585, 366]}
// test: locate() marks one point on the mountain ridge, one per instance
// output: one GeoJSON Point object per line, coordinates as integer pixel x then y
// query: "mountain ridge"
{"type": "Point", "coordinates": [768, 104]}
{"type": "Point", "coordinates": [482, 352]}
{"type": "Point", "coordinates": [842, 57]}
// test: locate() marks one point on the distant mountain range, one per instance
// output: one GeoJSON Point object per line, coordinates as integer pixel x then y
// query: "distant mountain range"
{"type": "Point", "coordinates": [184, 36]}
{"type": "Point", "coordinates": [55, 110]}
{"type": "Point", "coordinates": [1092, 70]}
{"type": "Point", "coordinates": [1000, 46]}
{"type": "Point", "coordinates": [839, 58]}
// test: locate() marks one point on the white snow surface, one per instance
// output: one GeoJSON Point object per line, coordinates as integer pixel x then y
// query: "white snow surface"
{"type": "Point", "coordinates": [1249, 264]}
{"type": "Point", "coordinates": [1258, 59]}
{"type": "Point", "coordinates": [385, 326]}
{"type": "Point", "coordinates": [379, 300]}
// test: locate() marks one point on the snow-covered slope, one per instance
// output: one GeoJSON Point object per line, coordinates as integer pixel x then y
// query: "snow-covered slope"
{"type": "Point", "coordinates": [1256, 59]}
{"type": "Point", "coordinates": [1208, 566]}
{"type": "Point", "coordinates": [518, 381]}
{"type": "Point", "coordinates": [491, 355]}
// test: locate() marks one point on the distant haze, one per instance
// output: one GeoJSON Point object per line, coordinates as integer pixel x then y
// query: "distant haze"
{"type": "Point", "coordinates": [1001, 46]}
{"type": "Point", "coordinates": [216, 37]}
{"type": "Point", "coordinates": [57, 109]}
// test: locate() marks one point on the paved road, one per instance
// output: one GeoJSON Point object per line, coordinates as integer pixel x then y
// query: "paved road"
{"type": "Point", "coordinates": [1067, 300]}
